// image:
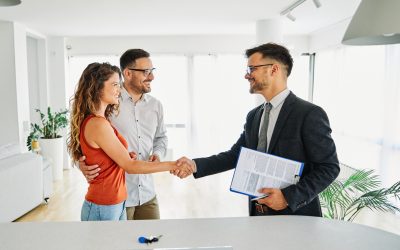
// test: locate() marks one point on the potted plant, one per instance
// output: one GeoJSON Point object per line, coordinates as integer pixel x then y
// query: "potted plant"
{"type": "Point", "coordinates": [49, 137]}
{"type": "Point", "coordinates": [32, 142]}
{"type": "Point", "coordinates": [344, 199]}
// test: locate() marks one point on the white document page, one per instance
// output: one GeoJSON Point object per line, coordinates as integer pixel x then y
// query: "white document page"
{"type": "Point", "coordinates": [256, 170]}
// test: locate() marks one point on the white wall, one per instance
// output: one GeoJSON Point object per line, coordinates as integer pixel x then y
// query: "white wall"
{"type": "Point", "coordinates": [14, 97]}
{"type": "Point", "coordinates": [160, 44]}
{"type": "Point", "coordinates": [21, 82]}
{"type": "Point", "coordinates": [57, 61]}
{"type": "Point", "coordinates": [33, 79]}
{"type": "Point", "coordinates": [57, 65]}
{"type": "Point", "coordinates": [8, 95]}
{"type": "Point", "coordinates": [328, 37]}
{"type": "Point", "coordinates": [200, 44]}
{"type": "Point", "coordinates": [37, 72]}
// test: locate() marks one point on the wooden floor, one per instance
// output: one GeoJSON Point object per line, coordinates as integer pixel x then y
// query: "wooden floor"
{"type": "Point", "coordinates": [66, 201]}
{"type": "Point", "coordinates": [178, 198]}
{"type": "Point", "coordinates": [187, 198]}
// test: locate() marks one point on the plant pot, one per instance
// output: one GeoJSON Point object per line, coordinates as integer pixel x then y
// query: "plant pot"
{"type": "Point", "coordinates": [35, 145]}
{"type": "Point", "coordinates": [53, 149]}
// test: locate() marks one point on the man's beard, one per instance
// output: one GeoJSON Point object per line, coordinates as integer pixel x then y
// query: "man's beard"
{"type": "Point", "coordinates": [140, 89]}
{"type": "Point", "coordinates": [255, 87]}
{"type": "Point", "coordinates": [146, 89]}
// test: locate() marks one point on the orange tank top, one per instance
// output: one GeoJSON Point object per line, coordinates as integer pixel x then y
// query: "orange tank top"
{"type": "Point", "coordinates": [109, 186]}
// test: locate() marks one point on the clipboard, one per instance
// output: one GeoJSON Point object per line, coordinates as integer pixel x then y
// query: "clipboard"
{"type": "Point", "coordinates": [255, 170]}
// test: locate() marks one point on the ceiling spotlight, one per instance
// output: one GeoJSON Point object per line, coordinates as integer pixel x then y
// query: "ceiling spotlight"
{"type": "Point", "coordinates": [9, 2]}
{"type": "Point", "coordinates": [292, 7]}
{"type": "Point", "coordinates": [291, 17]}
{"type": "Point", "coordinates": [317, 3]}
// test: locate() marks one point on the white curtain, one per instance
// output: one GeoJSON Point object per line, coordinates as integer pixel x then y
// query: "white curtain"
{"type": "Point", "coordinates": [220, 103]}
{"type": "Point", "coordinates": [390, 152]}
{"type": "Point", "coordinates": [359, 89]}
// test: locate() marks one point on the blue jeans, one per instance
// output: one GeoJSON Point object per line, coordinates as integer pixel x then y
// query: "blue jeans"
{"type": "Point", "coordinates": [93, 212]}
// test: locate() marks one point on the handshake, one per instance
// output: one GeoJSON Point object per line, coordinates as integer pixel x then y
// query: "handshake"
{"type": "Point", "coordinates": [184, 167]}
{"type": "Point", "coordinates": [181, 168]}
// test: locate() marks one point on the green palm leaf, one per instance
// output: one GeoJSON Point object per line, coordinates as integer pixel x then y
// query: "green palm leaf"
{"type": "Point", "coordinates": [344, 199]}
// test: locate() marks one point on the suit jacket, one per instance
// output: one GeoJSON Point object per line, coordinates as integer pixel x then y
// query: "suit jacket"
{"type": "Point", "coordinates": [301, 133]}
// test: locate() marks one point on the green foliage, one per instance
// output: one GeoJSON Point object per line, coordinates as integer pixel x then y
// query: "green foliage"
{"type": "Point", "coordinates": [33, 136]}
{"type": "Point", "coordinates": [344, 199]}
{"type": "Point", "coordinates": [50, 126]}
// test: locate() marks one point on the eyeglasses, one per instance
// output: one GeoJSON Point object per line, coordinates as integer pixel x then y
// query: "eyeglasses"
{"type": "Point", "coordinates": [146, 72]}
{"type": "Point", "coordinates": [250, 69]}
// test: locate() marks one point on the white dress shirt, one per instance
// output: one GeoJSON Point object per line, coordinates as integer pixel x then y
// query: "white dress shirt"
{"type": "Point", "coordinates": [142, 125]}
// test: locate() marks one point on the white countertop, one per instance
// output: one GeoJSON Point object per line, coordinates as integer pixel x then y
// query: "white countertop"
{"type": "Point", "coordinates": [247, 233]}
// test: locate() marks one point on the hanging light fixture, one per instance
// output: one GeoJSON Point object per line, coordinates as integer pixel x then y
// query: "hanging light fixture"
{"type": "Point", "coordinates": [9, 2]}
{"type": "Point", "coordinates": [374, 23]}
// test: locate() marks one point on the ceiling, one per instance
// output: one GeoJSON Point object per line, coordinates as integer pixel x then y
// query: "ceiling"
{"type": "Point", "coordinates": [73, 18]}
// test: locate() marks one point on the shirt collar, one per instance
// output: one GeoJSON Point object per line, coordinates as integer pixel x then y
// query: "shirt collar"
{"type": "Point", "coordinates": [279, 98]}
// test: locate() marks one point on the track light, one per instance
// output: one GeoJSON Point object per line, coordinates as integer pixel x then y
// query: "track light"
{"type": "Point", "coordinates": [291, 17]}
{"type": "Point", "coordinates": [317, 3]}
{"type": "Point", "coordinates": [291, 7]}
{"type": "Point", "coordinates": [294, 5]}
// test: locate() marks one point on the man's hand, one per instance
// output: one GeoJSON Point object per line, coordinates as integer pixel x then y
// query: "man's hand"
{"type": "Point", "coordinates": [275, 199]}
{"type": "Point", "coordinates": [154, 158]}
{"type": "Point", "coordinates": [90, 172]}
{"type": "Point", "coordinates": [189, 165]}
{"type": "Point", "coordinates": [133, 155]}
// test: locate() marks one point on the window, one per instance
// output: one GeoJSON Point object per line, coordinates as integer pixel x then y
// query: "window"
{"type": "Point", "coordinates": [170, 86]}
{"type": "Point", "coordinates": [298, 81]}
{"type": "Point", "coordinates": [351, 85]}
{"type": "Point", "coordinates": [206, 99]}
{"type": "Point", "coordinates": [76, 65]}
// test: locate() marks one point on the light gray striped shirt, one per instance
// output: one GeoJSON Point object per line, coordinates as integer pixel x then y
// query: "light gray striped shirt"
{"type": "Point", "coordinates": [142, 125]}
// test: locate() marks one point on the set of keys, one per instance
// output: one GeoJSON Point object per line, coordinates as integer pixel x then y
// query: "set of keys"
{"type": "Point", "coordinates": [149, 240]}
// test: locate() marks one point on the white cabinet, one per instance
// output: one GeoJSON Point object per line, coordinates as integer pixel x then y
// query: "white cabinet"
{"type": "Point", "coordinates": [47, 179]}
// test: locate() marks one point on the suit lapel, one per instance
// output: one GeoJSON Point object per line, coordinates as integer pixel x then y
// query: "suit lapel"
{"type": "Point", "coordinates": [282, 117]}
{"type": "Point", "coordinates": [255, 128]}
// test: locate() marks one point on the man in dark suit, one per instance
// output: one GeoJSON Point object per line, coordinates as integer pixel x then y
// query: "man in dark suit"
{"type": "Point", "coordinates": [286, 126]}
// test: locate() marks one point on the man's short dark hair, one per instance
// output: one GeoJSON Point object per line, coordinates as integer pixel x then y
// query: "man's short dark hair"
{"type": "Point", "coordinates": [274, 51]}
{"type": "Point", "coordinates": [130, 56]}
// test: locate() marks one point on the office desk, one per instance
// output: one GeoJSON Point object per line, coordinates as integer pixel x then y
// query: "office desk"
{"type": "Point", "coordinates": [244, 233]}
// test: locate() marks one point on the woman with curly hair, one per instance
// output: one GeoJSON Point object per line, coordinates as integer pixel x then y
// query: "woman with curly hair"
{"type": "Point", "coordinates": [95, 100]}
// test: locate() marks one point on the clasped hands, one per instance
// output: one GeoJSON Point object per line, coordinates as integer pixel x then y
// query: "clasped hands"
{"type": "Point", "coordinates": [184, 167]}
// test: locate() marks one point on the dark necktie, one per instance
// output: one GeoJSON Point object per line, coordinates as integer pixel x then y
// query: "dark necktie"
{"type": "Point", "coordinates": [262, 139]}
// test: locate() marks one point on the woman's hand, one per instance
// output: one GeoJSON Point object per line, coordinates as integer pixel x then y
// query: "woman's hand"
{"type": "Point", "coordinates": [183, 168]}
